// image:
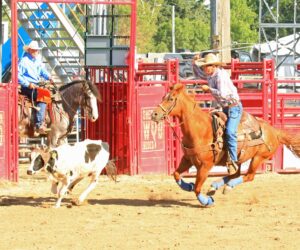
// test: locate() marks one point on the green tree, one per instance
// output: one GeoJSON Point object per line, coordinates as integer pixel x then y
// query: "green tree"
{"type": "Point", "coordinates": [191, 26]}
{"type": "Point", "coordinates": [147, 13]}
{"type": "Point", "coordinates": [244, 23]}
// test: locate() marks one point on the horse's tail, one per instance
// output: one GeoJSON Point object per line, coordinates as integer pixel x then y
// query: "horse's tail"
{"type": "Point", "coordinates": [111, 170]}
{"type": "Point", "coordinates": [292, 141]}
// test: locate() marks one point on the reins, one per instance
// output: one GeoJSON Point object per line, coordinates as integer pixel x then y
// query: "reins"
{"type": "Point", "coordinates": [172, 124]}
{"type": "Point", "coordinates": [197, 148]}
{"type": "Point", "coordinates": [70, 107]}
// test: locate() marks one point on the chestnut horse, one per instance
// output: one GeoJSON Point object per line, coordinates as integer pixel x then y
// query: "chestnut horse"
{"type": "Point", "coordinates": [202, 150]}
{"type": "Point", "coordinates": [65, 103]}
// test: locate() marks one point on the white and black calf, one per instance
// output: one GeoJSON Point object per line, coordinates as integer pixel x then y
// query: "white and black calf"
{"type": "Point", "coordinates": [68, 165]}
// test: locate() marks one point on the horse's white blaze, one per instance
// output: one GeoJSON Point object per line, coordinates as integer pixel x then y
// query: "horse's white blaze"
{"type": "Point", "coordinates": [94, 106]}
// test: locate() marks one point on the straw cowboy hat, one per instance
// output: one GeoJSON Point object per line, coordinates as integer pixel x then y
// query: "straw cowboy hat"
{"type": "Point", "coordinates": [209, 59]}
{"type": "Point", "coordinates": [32, 45]}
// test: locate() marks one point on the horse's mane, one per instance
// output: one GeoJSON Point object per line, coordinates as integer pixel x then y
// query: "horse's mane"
{"type": "Point", "coordinates": [180, 88]}
{"type": "Point", "coordinates": [69, 84]}
{"type": "Point", "coordinates": [92, 87]}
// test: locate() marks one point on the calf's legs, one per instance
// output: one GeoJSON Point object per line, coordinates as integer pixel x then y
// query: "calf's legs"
{"type": "Point", "coordinates": [62, 191]}
{"type": "Point", "coordinates": [91, 186]}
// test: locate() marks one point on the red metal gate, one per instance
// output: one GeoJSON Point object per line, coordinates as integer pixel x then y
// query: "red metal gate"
{"type": "Point", "coordinates": [112, 125]}
{"type": "Point", "coordinates": [145, 150]}
{"type": "Point", "coordinates": [8, 133]}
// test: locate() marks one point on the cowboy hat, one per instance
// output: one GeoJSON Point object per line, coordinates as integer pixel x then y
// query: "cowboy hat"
{"type": "Point", "coordinates": [209, 59]}
{"type": "Point", "coordinates": [32, 45]}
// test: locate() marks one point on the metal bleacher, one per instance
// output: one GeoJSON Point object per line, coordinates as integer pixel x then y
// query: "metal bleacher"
{"type": "Point", "coordinates": [61, 40]}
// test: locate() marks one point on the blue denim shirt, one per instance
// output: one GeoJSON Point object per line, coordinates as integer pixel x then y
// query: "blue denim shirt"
{"type": "Point", "coordinates": [31, 70]}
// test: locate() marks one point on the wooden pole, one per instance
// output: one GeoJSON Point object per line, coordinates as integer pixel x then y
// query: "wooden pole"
{"type": "Point", "coordinates": [173, 29]}
{"type": "Point", "coordinates": [220, 28]}
{"type": "Point", "coordinates": [224, 29]}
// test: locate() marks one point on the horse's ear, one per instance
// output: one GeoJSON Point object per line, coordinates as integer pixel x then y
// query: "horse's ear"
{"type": "Point", "coordinates": [95, 90]}
{"type": "Point", "coordinates": [177, 86]}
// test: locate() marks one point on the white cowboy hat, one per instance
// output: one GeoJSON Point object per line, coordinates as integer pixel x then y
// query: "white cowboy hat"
{"type": "Point", "coordinates": [209, 59]}
{"type": "Point", "coordinates": [32, 45]}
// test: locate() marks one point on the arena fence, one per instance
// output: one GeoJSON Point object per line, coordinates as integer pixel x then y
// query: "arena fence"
{"type": "Point", "coordinates": [156, 148]}
{"type": "Point", "coordinates": [130, 94]}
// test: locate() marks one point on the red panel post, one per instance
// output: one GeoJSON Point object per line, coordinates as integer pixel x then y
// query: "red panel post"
{"type": "Point", "coordinates": [4, 132]}
{"type": "Point", "coordinates": [172, 71]}
{"type": "Point", "coordinates": [11, 109]}
{"type": "Point", "coordinates": [8, 134]}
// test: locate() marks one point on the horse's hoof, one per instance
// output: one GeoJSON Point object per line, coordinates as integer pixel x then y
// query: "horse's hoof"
{"type": "Point", "coordinates": [211, 191]}
{"type": "Point", "coordinates": [227, 189]}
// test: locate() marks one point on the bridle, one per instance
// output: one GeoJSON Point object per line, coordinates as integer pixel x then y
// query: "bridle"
{"type": "Point", "coordinates": [168, 110]}
{"type": "Point", "coordinates": [84, 103]}
{"type": "Point", "coordinates": [166, 113]}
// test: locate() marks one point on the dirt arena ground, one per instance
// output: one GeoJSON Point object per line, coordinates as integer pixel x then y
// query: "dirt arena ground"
{"type": "Point", "coordinates": [151, 212]}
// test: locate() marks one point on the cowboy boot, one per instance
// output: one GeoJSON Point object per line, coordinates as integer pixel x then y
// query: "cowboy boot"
{"type": "Point", "coordinates": [232, 166]}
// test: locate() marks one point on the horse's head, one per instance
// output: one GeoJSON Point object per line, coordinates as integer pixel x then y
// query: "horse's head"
{"type": "Point", "coordinates": [89, 102]}
{"type": "Point", "coordinates": [169, 104]}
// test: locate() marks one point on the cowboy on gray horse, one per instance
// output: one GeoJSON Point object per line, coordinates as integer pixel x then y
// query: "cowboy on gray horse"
{"type": "Point", "coordinates": [31, 71]}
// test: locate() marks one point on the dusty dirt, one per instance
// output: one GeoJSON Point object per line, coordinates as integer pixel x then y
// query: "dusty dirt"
{"type": "Point", "coordinates": [151, 212]}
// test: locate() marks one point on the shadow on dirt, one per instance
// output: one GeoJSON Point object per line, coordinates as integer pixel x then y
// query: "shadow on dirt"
{"type": "Point", "coordinates": [141, 203]}
{"type": "Point", "coordinates": [25, 201]}
{"type": "Point", "coordinates": [41, 201]}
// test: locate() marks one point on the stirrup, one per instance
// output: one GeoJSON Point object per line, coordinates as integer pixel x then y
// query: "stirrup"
{"type": "Point", "coordinates": [232, 167]}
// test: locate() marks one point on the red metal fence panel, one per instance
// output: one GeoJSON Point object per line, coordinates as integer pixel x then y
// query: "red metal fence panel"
{"type": "Point", "coordinates": [8, 134]}
{"type": "Point", "coordinates": [286, 115]}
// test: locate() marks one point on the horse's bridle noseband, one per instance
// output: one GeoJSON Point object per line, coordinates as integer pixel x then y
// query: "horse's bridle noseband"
{"type": "Point", "coordinates": [169, 109]}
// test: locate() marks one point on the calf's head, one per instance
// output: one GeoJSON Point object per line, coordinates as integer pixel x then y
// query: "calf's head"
{"type": "Point", "coordinates": [38, 158]}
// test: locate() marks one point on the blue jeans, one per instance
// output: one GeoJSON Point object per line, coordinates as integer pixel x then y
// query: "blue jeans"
{"type": "Point", "coordinates": [40, 115]}
{"type": "Point", "coordinates": [234, 115]}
